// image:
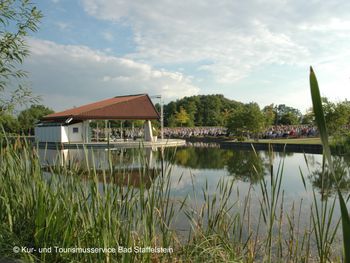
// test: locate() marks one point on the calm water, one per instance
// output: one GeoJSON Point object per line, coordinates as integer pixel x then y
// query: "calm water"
{"type": "Point", "coordinates": [207, 165]}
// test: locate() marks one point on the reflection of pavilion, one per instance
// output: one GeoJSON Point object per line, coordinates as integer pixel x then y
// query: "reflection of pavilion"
{"type": "Point", "coordinates": [132, 177]}
{"type": "Point", "coordinates": [131, 167]}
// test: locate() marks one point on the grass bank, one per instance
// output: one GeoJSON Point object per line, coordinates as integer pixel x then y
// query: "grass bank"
{"type": "Point", "coordinates": [290, 141]}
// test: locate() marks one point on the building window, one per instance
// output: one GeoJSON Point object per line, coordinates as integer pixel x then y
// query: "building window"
{"type": "Point", "coordinates": [75, 129]}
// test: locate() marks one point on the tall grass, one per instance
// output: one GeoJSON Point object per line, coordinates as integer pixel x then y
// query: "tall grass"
{"type": "Point", "coordinates": [71, 206]}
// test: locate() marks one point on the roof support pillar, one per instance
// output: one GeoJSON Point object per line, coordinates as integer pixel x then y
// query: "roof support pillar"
{"type": "Point", "coordinates": [85, 131]}
{"type": "Point", "coordinates": [106, 130]}
{"type": "Point", "coordinates": [148, 131]}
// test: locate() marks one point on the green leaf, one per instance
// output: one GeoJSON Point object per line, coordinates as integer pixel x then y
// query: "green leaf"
{"type": "Point", "coordinates": [319, 117]}
{"type": "Point", "coordinates": [321, 123]}
{"type": "Point", "coordinates": [346, 227]}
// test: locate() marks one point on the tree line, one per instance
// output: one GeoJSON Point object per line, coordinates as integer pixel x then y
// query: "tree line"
{"type": "Point", "coordinates": [216, 110]}
{"type": "Point", "coordinates": [238, 117]}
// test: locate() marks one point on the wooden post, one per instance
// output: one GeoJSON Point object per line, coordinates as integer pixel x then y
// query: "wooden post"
{"type": "Point", "coordinates": [97, 131]}
{"type": "Point", "coordinates": [106, 132]}
{"type": "Point", "coordinates": [132, 131]}
{"type": "Point", "coordinates": [121, 130]}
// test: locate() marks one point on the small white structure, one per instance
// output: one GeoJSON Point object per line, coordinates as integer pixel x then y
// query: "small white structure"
{"type": "Point", "coordinates": [62, 132]}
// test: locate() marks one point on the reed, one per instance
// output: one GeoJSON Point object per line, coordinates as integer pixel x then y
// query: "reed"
{"type": "Point", "coordinates": [320, 120]}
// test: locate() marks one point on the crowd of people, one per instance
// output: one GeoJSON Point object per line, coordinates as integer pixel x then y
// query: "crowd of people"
{"type": "Point", "coordinates": [187, 132]}
{"type": "Point", "coordinates": [290, 131]}
{"type": "Point", "coordinates": [272, 132]}
{"type": "Point", "coordinates": [117, 133]}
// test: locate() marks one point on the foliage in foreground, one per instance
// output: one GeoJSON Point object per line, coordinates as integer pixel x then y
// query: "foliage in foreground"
{"type": "Point", "coordinates": [18, 18]}
{"type": "Point", "coordinates": [68, 207]}
{"type": "Point", "coordinates": [74, 207]}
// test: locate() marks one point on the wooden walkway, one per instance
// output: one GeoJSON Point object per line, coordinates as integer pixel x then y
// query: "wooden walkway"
{"type": "Point", "coordinates": [116, 144]}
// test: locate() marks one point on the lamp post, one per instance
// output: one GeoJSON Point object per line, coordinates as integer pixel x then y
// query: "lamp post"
{"type": "Point", "coordinates": [161, 115]}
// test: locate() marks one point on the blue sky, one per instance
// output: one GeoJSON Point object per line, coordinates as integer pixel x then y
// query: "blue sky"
{"type": "Point", "coordinates": [255, 50]}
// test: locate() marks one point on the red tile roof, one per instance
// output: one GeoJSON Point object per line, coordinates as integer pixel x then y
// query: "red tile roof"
{"type": "Point", "coordinates": [133, 107]}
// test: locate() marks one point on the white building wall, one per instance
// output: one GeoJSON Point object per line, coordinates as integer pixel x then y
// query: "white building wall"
{"type": "Point", "coordinates": [69, 136]}
{"type": "Point", "coordinates": [48, 134]}
{"type": "Point", "coordinates": [59, 133]}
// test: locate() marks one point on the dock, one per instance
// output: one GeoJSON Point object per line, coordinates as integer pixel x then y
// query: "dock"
{"type": "Point", "coordinates": [125, 144]}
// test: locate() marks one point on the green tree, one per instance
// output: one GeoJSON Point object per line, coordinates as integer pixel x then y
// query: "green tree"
{"type": "Point", "coordinates": [169, 114]}
{"type": "Point", "coordinates": [212, 110]}
{"type": "Point", "coordinates": [289, 118]}
{"type": "Point", "coordinates": [29, 117]}
{"type": "Point", "coordinates": [308, 117]}
{"type": "Point", "coordinates": [203, 110]}
{"type": "Point", "coordinates": [226, 113]}
{"type": "Point", "coordinates": [9, 123]}
{"type": "Point", "coordinates": [247, 119]}
{"type": "Point", "coordinates": [287, 115]}
{"type": "Point", "coordinates": [190, 106]}
{"type": "Point", "coordinates": [17, 19]}
{"type": "Point", "coordinates": [270, 114]}
{"type": "Point", "coordinates": [337, 115]}
{"type": "Point", "coordinates": [182, 116]}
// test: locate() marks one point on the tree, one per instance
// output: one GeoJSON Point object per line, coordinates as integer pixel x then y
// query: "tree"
{"type": "Point", "coordinates": [308, 117]}
{"type": "Point", "coordinates": [182, 116]}
{"type": "Point", "coordinates": [289, 118]}
{"type": "Point", "coordinates": [17, 19]}
{"type": "Point", "coordinates": [8, 123]}
{"type": "Point", "coordinates": [226, 113]}
{"type": "Point", "coordinates": [287, 115]}
{"type": "Point", "coordinates": [247, 120]}
{"type": "Point", "coordinates": [29, 117]}
{"type": "Point", "coordinates": [270, 114]}
{"type": "Point", "coordinates": [203, 110]}
{"type": "Point", "coordinates": [169, 113]}
{"type": "Point", "coordinates": [337, 115]}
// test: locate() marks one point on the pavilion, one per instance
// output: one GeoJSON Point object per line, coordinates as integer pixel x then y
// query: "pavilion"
{"type": "Point", "coordinates": [73, 125]}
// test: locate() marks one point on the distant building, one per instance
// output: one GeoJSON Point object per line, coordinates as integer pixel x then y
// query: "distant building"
{"type": "Point", "coordinates": [73, 125]}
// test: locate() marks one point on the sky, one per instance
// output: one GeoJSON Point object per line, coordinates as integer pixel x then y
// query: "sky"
{"type": "Point", "coordinates": [250, 51]}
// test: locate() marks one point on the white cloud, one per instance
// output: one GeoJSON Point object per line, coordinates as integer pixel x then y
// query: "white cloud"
{"type": "Point", "coordinates": [68, 75]}
{"type": "Point", "coordinates": [234, 37]}
{"type": "Point", "coordinates": [108, 36]}
{"type": "Point", "coordinates": [62, 25]}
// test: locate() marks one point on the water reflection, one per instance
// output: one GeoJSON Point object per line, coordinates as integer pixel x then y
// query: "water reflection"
{"type": "Point", "coordinates": [251, 167]}
{"type": "Point", "coordinates": [199, 158]}
{"type": "Point", "coordinates": [247, 166]}
{"type": "Point", "coordinates": [325, 182]}
{"type": "Point", "coordinates": [124, 167]}
{"type": "Point", "coordinates": [209, 163]}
